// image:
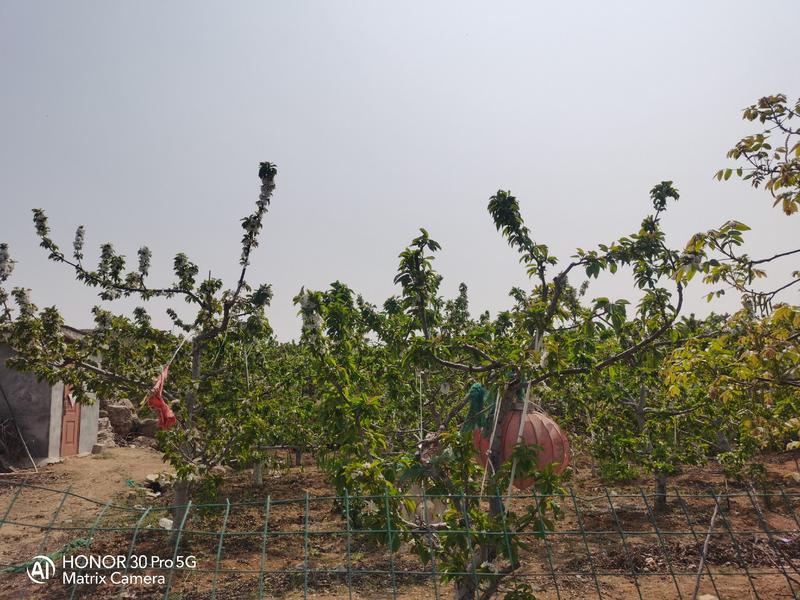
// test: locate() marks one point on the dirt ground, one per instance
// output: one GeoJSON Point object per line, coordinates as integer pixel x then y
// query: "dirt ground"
{"type": "Point", "coordinates": [100, 478]}
{"type": "Point", "coordinates": [91, 480]}
{"type": "Point", "coordinates": [662, 551]}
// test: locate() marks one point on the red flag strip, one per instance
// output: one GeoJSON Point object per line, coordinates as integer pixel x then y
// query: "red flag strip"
{"type": "Point", "coordinates": [166, 418]}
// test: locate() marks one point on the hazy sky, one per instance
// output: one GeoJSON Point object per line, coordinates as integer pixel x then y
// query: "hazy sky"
{"type": "Point", "coordinates": [146, 121]}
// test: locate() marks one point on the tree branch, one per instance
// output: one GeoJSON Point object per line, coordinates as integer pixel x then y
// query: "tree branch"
{"type": "Point", "coordinates": [771, 258]}
{"type": "Point", "coordinates": [467, 368]}
{"type": "Point", "coordinates": [620, 355]}
{"type": "Point", "coordinates": [113, 376]}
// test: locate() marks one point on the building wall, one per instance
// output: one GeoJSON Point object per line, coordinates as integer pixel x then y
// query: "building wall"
{"type": "Point", "coordinates": [31, 404]}
{"type": "Point", "coordinates": [38, 409]}
{"type": "Point", "coordinates": [90, 413]}
{"type": "Point", "coordinates": [56, 413]}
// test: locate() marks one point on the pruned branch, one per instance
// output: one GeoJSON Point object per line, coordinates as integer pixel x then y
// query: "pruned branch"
{"type": "Point", "coordinates": [775, 257]}
{"type": "Point", "coordinates": [113, 376]}
{"type": "Point", "coordinates": [467, 368]}
{"type": "Point", "coordinates": [619, 355]}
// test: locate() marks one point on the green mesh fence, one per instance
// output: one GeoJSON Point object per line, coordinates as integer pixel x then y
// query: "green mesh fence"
{"type": "Point", "coordinates": [606, 545]}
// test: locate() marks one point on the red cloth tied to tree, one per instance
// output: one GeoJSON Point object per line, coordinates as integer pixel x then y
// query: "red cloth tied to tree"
{"type": "Point", "coordinates": [166, 418]}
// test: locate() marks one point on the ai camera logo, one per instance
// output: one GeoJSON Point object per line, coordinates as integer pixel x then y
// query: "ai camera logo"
{"type": "Point", "coordinates": [41, 569]}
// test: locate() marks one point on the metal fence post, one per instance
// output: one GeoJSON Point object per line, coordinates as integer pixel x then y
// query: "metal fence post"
{"type": "Point", "coordinates": [631, 568]}
{"type": "Point", "coordinates": [219, 548]}
{"type": "Point", "coordinates": [664, 548]}
{"type": "Point", "coordinates": [91, 537]}
{"type": "Point", "coordinates": [43, 544]}
{"type": "Point", "coordinates": [349, 566]}
{"type": "Point", "coordinates": [133, 544]}
{"type": "Point", "coordinates": [682, 502]}
{"type": "Point", "coordinates": [12, 503]}
{"type": "Point", "coordinates": [177, 547]}
{"type": "Point", "coordinates": [263, 562]}
{"type": "Point", "coordinates": [471, 566]}
{"type": "Point", "coordinates": [431, 543]}
{"type": "Point", "coordinates": [736, 547]}
{"type": "Point", "coordinates": [582, 529]}
{"type": "Point", "coordinates": [305, 547]}
{"type": "Point", "coordinates": [547, 549]}
{"type": "Point", "coordinates": [776, 547]}
{"type": "Point", "coordinates": [391, 542]}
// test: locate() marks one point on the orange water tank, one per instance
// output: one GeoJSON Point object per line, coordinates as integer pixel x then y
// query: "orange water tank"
{"type": "Point", "coordinates": [539, 430]}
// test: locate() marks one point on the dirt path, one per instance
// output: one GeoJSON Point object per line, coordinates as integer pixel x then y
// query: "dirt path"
{"type": "Point", "coordinates": [102, 476]}
{"type": "Point", "coordinates": [99, 478]}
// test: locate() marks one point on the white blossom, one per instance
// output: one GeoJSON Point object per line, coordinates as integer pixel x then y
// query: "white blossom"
{"type": "Point", "coordinates": [6, 264]}
{"type": "Point", "coordinates": [22, 296]}
{"type": "Point", "coordinates": [144, 260]}
{"type": "Point", "coordinates": [305, 301]}
{"type": "Point", "coordinates": [312, 322]}
{"type": "Point", "coordinates": [77, 243]}
{"type": "Point", "coordinates": [40, 221]}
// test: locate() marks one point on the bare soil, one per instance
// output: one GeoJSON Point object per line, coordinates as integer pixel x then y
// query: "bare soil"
{"type": "Point", "coordinates": [655, 556]}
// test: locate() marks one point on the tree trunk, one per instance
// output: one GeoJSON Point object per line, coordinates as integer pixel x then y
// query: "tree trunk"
{"type": "Point", "coordinates": [180, 506]}
{"type": "Point", "coordinates": [661, 492]}
{"type": "Point", "coordinates": [191, 396]}
{"type": "Point", "coordinates": [466, 586]}
{"type": "Point", "coordinates": [641, 418]}
{"type": "Point", "coordinates": [464, 589]}
{"type": "Point", "coordinates": [723, 444]}
{"type": "Point", "coordinates": [182, 486]}
{"type": "Point", "coordinates": [496, 446]}
{"type": "Point", "coordinates": [258, 474]}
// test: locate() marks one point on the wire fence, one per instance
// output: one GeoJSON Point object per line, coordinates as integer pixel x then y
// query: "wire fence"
{"type": "Point", "coordinates": [606, 545]}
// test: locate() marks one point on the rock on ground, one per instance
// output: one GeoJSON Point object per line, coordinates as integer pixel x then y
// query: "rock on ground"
{"type": "Point", "coordinates": [148, 427]}
{"type": "Point", "coordinates": [142, 441]}
{"type": "Point", "coordinates": [123, 417]}
{"type": "Point", "coordinates": [105, 435]}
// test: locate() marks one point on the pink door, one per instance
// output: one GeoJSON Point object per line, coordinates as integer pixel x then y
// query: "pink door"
{"type": "Point", "coordinates": [70, 424]}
